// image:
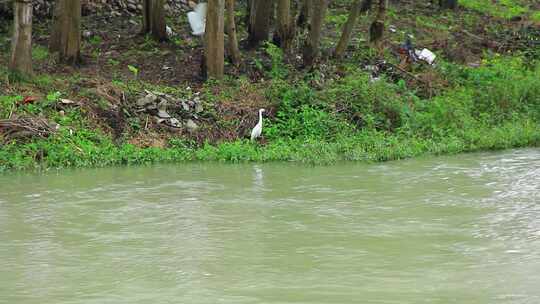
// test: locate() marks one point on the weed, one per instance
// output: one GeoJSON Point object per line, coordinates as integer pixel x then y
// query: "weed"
{"type": "Point", "coordinates": [278, 70]}
{"type": "Point", "coordinates": [39, 52]}
{"type": "Point", "coordinates": [95, 40]}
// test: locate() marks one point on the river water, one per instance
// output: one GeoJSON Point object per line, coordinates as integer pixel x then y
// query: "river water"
{"type": "Point", "coordinates": [460, 229]}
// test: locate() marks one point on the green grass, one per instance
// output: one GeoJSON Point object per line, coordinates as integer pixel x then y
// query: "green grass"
{"type": "Point", "coordinates": [536, 17]}
{"type": "Point", "coordinates": [431, 23]}
{"type": "Point", "coordinates": [496, 106]}
{"type": "Point", "coordinates": [506, 9]}
{"type": "Point", "coordinates": [39, 52]}
{"type": "Point", "coordinates": [89, 149]}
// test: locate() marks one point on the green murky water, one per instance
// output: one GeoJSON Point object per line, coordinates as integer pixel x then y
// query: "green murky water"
{"type": "Point", "coordinates": [462, 229]}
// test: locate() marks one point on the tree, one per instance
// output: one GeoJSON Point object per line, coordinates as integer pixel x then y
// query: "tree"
{"type": "Point", "coordinates": [21, 46]}
{"type": "Point", "coordinates": [232, 44]}
{"type": "Point", "coordinates": [366, 5]}
{"type": "Point", "coordinates": [311, 48]}
{"type": "Point", "coordinates": [214, 40]}
{"type": "Point", "coordinates": [285, 31]}
{"type": "Point", "coordinates": [305, 13]}
{"type": "Point", "coordinates": [260, 15]}
{"type": "Point", "coordinates": [448, 4]}
{"type": "Point", "coordinates": [377, 27]}
{"type": "Point", "coordinates": [154, 19]}
{"type": "Point", "coordinates": [348, 28]}
{"type": "Point", "coordinates": [66, 31]}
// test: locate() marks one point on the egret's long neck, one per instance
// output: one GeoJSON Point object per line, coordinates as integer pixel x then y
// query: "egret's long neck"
{"type": "Point", "coordinates": [260, 118]}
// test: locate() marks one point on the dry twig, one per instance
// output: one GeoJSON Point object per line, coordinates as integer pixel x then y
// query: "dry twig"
{"type": "Point", "coordinates": [25, 127]}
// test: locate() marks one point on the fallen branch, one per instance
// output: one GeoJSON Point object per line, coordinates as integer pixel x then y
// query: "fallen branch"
{"type": "Point", "coordinates": [26, 127]}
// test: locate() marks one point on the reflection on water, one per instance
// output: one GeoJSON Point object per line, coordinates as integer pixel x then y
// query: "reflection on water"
{"type": "Point", "coordinates": [463, 229]}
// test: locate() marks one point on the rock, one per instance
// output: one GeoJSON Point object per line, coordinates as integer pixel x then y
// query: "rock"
{"type": "Point", "coordinates": [198, 108]}
{"type": "Point", "coordinates": [175, 123]}
{"type": "Point", "coordinates": [185, 106]}
{"type": "Point", "coordinates": [44, 8]}
{"type": "Point", "coordinates": [191, 125]}
{"type": "Point", "coordinates": [162, 109]}
{"type": "Point", "coordinates": [156, 103]}
{"type": "Point", "coordinates": [146, 101]}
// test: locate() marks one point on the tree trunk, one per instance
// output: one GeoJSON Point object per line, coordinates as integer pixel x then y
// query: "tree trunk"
{"type": "Point", "coordinates": [259, 21]}
{"type": "Point", "coordinates": [232, 44]}
{"type": "Point", "coordinates": [214, 40]}
{"type": "Point", "coordinates": [366, 6]}
{"type": "Point", "coordinates": [305, 13]}
{"type": "Point", "coordinates": [311, 49]}
{"type": "Point", "coordinates": [377, 27]}
{"type": "Point", "coordinates": [448, 4]}
{"type": "Point", "coordinates": [154, 19]}
{"type": "Point", "coordinates": [285, 31]}
{"type": "Point", "coordinates": [21, 46]}
{"type": "Point", "coordinates": [66, 31]}
{"type": "Point", "coordinates": [348, 28]}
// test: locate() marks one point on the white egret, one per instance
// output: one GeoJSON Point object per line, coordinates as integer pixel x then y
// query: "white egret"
{"type": "Point", "coordinates": [256, 132]}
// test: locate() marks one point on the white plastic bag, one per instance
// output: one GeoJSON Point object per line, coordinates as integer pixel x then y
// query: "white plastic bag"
{"type": "Point", "coordinates": [197, 19]}
{"type": "Point", "coordinates": [426, 55]}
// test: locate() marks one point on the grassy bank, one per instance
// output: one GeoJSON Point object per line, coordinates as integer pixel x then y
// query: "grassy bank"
{"type": "Point", "coordinates": [495, 106]}
{"type": "Point", "coordinates": [372, 105]}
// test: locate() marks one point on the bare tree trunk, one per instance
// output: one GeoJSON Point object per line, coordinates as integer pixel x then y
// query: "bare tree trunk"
{"type": "Point", "coordinates": [348, 28]}
{"type": "Point", "coordinates": [376, 30]}
{"type": "Point", "coordinates": [311, 49]}
{"type": "Point", "coordinates": [448, 4]}
{"type": "Point", "coordinates": [305, 13]}
{"type": "Point", "coordinates": [259, 21]}
{"type": "Point", "coordinates": [66, 31]}
{"type": "Point", "coordinates": [366, 6]}
{"type": "Point", "coordinates": [232, 44]}
{"type": "Point", "coordinates": [21, 46]}
{"type": "Point", "coordinates": [285, 31]}
{"type": "Point", "coordinates": [214, 40]}
{"type": "Point", "coordinates": [154, 19]}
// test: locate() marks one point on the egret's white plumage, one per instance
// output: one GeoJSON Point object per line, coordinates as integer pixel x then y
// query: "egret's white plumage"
{"type": "Point", "coordinates": [257, 131]}
{"type": "Point", "coordinates": [197, 19]}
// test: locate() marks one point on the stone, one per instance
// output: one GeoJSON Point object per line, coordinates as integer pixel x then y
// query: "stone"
{"type": "Point", "coordinates": [146, 101]}
{"type": "Point", "coordinates": [44, 8]}
{"type": "Point", "coordinates": [185, 106]}
{"type": "Point", "coordinates": [175, 123]}
{"type": "Point", "coordinates": [191, 125]}
{"type": "Point", "coordinates": [198, 108]}
{"type": "Point", "coordinates": [162, 109]}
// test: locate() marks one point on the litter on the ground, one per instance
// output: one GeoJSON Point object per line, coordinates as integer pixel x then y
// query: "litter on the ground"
{"type": "Point", "coordinates": [426, 55]}
{"type": "Point", "coordinates": [197, 19]}
{"type": "Point", "coordinates": [169, 30]}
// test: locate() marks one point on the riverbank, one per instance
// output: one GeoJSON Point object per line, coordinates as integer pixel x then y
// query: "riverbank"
{"type": "Point", "coordinates": [496, 106]}
{"type": "Point", "coordinates": [370, 106]}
